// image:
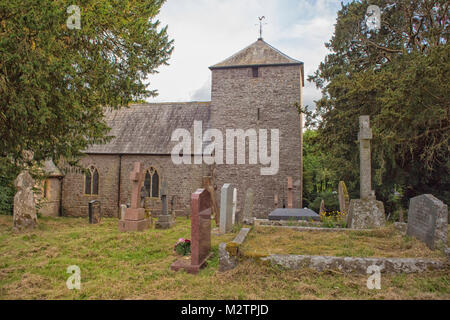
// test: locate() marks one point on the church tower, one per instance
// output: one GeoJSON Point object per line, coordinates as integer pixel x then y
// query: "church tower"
{"type": "Point", "coordinates": [258, 88]}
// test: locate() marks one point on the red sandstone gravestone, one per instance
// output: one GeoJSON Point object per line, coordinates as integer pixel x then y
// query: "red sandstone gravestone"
{"type": "Point", "coordinates": [200, 233]}
{"type": "Point", "coordinates": [135, 219]}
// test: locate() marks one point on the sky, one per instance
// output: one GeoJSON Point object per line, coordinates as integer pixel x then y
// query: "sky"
{"type": "Point", "coordinates": [206, 32]}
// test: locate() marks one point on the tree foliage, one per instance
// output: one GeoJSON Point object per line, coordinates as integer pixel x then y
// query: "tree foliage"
{"type": "Point", "coordinates": [399, 75]}
{"type": "Point", "coordinates": [55, 82]}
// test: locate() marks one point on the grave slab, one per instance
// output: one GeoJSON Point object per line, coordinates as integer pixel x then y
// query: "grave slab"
{"type": "Point", "coordinates": [293, 214]}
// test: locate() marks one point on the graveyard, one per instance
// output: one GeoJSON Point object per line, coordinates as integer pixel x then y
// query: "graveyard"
{"type": "Point", "coordinates": [232, 170]}
{"type": "Point", "coordinates": [137, 266]}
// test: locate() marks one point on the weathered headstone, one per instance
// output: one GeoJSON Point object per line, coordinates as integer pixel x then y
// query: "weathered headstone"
{"type": "Point", "coordinates": [290, 193]}
{"type": "Point", "coordinates": [123, 210]}
{"type": "Point", "coordinates": [95, 212]}
{"type": "Point", "coordinates": [200, 233]}
{"type": "Point", "coordinates": [322, 207]}
{"type": "Point", "coordinates": [367, 212]}
{"type": "Point", "coordinates": [207, 185]}
{"type": "Point", "coordinates": [25, 217]}
{"type": "Point", "coordinates": [344, 199]}
{"type": "Point", "coordinates": [428, 220]}
{"type": "Point", "coordinates": [234, 205]}
{"type": "Point", "coordinates": [226, 209]}
{"type": "Point", "coordinates": [135, 217]}
{"type": "Point", "coordinates": [165, 220]}
{"type": "Point", "coordinates": [248, 207]}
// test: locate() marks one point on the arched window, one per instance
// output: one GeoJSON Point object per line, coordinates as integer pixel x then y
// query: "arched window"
{"type": "Point", "coordinates": [91, 181]}
{"type": "Point", "coordinates": [151, 183]}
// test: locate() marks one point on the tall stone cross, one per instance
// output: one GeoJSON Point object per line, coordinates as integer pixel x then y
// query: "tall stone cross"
{"type": "Point", "coordinates": [137, 178]}
{"type": "Point", "coordinates": [364, 137]}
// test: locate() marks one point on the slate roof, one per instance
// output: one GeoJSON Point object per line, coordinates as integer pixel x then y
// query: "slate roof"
{"type": "Point", "coordinates": [256, 54]}
{"type": "Point", "coordinates": [147, 128]}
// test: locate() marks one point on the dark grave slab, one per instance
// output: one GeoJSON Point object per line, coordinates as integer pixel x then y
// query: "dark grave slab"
{"type": "Point", "coordinates": [293, 214]}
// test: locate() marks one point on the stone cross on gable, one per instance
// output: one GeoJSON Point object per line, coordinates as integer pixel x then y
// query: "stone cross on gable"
{"type": "Point", "coordinates": [137, 178]}
{"type": "Point", "coordinates": [364, 137]}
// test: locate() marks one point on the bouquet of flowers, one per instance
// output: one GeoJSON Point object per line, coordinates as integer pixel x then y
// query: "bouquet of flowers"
{"type": "Point", "coordinates": [183, 247]}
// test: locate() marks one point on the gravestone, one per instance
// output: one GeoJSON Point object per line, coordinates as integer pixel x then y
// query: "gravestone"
{"type": "Point", "coordinates": [367, 212]}
{"type": "Point", "coordinates": [233, 221]}
{"type": "Point", "coordinates": [25, 217]}
{"type": "Point", "coordinates": [344, 199]}
{"type": "Point", "coordinates": [135, 217]}
{"type": "Point", "coordinates": [165, 220]}
{"type": "Point", "coordinates": [123, 210]}
{"type": "Point", "coordinates": [322, 207]}
{"type": "Point", "coordinates": [226, 209]}
{"type": "Point", "coordinates": [200, 233]}
{"type": "Point", "coordinates": [95, 212]}
{"type": "Point", "coordinates": [428, 220]}
{"type": "Point", "coordinates": [293, 214]}
{"type": "Point", "coordinates": [290, 193]}
{"type": "Point", "coordinates": [248, 207]}
{"type": "Point", "coordinates": [207, 184]}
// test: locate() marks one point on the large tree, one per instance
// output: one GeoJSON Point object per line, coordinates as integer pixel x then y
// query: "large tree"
{"type": "Point", "coordinates": [399, 75]}
{"type": "Point", "coordinates": [56, 81]}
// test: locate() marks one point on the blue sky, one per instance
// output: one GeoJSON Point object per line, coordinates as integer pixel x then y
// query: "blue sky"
{"type": "Point", "coordinates": [209, 31]}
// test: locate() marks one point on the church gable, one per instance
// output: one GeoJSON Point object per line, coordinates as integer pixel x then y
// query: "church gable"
{"type": "Point", "coordinates": [258, 53]}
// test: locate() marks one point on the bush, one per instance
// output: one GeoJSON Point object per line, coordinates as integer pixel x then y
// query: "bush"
{"type": "Point", "coordinates": [7, 189]}
{"type": "Point", "coordinates": [331, 202]}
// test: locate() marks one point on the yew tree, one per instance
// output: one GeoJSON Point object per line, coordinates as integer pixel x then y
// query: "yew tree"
{"type": "Point", "coordinates": [399, 75]}
{"type": "Point", "coordinates": [56, 80]}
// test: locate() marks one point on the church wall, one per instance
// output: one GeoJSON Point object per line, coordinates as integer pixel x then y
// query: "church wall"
{"type": "Point", "coordinates": [51, 202]}
{"type": "Point", "coordinates": [182, 181]}
{"type": "Point", "coordinates": [236, 97]}
{"type": "Point", "coordinates": [76, 203]}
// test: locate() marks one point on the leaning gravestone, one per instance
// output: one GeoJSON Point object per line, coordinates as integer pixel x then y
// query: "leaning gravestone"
{"type": "Point", "coordinates": [428, 220]}
{"type": "Point", "coordinates": [248, 207]}
{"type": "Point", "coordinates": [322, 209]}
{"type": "Point", "coordinates": [200, 233]}
{"type": "Point", "coordinates": [367, 212]}
{"type": "Point", "coordinates": [226, 209]}
{"type": "Point", "coordinates": [344, 199]}
{"type": "Point", "coordinates": [25, 217]}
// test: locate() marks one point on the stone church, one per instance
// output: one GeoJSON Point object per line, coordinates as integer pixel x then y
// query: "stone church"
{"type": "Point", "coordinates": [257, 88]}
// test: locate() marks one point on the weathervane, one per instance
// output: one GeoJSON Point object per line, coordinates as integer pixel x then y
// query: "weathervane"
{"type": "Point", "coordinates": [260, 26]}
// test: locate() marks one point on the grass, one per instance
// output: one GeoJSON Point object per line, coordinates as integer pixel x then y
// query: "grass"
{"type": "Point", "coordinates": [136, 266]}
{"type": "Point", "coordinates": [385, 242]}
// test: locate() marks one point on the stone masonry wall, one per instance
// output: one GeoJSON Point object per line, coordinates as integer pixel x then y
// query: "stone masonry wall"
{"type": "Point", "coordinates": [182, 181]}
{"type": "Point", "coordinates": [75, 202]}
{"type": "Point", "coordinates": [236, 97]}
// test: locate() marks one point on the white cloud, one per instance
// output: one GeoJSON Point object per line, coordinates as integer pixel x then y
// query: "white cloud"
{"type": "Point", "coordinates": [209, 31]}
